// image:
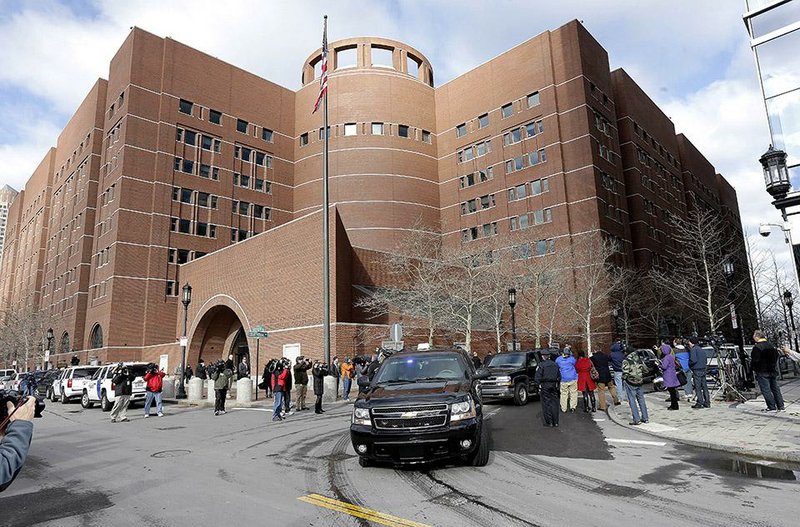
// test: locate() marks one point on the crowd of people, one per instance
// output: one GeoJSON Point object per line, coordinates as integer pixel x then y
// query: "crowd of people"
{"type": "Point", "coordinates": [621, 373]}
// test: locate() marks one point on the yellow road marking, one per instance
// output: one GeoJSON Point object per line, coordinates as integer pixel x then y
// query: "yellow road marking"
{"type": "Point", "coordinates": [359, 512]}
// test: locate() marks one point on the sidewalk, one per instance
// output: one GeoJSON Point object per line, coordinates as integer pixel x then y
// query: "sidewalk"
{"type": "Point", "coordinates": [734, 428]}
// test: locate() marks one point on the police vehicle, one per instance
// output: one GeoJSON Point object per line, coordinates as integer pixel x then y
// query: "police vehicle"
{"type": "Point", "coordinates": [101, 390]}
{"type": "Point", "coordinates": [71, 383]}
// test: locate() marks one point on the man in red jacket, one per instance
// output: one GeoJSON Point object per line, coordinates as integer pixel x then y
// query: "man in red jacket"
{"type": "Point", "coordinates": [155, 383]}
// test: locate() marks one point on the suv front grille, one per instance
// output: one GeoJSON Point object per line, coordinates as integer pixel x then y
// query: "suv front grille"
{"type": "Point", "coordinates": [410, 417]}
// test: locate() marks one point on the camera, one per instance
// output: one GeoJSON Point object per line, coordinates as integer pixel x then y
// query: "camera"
{"type": "Point", "coordinates": [16, 399]}
{"type": "Point", "coordinates": [764, 230]}
{"type": "Point", "coordinates": [321, 368]}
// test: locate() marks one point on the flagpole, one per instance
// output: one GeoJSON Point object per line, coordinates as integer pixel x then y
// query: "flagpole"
{"type": "Point", "coordinates": [326, 271]}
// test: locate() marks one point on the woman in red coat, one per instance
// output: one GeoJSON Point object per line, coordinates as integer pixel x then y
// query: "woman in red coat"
{"type": "Point", "coordinates": [585, 382]}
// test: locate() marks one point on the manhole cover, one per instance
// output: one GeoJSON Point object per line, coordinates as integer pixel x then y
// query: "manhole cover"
{"type": "Point", "coordinates": [171, 453]}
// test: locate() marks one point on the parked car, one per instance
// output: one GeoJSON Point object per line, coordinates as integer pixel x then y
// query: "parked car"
{"type": "Point", "coordinates": [101, 390]}
{"type": "Point", "coordinates": [5, 376]}
{"type": "Point", "coordinates": [13, 382]}
{"type": "Point", "coordinates": [73, 381]}
{"type": "Point", "coordinates": [419, 407]}
{"type": "Point", "coordinates": [511, 376]}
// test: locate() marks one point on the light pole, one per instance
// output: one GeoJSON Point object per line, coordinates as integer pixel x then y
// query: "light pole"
{"type": "Point", "coordinates": [776, 179]}
{"type": "Point", "coordinates": [789, 302]}
{"type": "Point", "coordinates": [186, 300]}
{"type": "Point", "coordinates": [512, 302]}
{"type": "Point", "coordinates": [729, 270]}
{"type": "Point", "coordinates": [49, 337]}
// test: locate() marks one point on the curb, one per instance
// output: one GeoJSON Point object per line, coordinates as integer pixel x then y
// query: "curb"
{"type": "Point", "coordinates": [768, 455]}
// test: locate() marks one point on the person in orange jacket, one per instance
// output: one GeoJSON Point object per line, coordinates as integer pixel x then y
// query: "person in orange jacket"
{"type": "Point", "coordinates": [155, 384]}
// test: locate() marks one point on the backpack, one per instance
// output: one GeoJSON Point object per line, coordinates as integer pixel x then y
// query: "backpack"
{"type": "Point", "coordinates": [633, 371]}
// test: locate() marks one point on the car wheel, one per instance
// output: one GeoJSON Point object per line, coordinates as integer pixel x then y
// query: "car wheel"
{"type": "Point", "coordinates": [480, 457]}
{"type": "Point", "coordinates": [364, 462]}
{"type": "Point", "coordinates": [64, 398]}
{"type": "Point", "coordinates": [105, 404]}
{"type": "Point", "coordinates": [520, 394]}
{"type": "Point", "coordinates": [85, 402]}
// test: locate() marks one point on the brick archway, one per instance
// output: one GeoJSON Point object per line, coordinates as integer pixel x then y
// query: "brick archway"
{"type": "Point", "coordinates": [214, 332]}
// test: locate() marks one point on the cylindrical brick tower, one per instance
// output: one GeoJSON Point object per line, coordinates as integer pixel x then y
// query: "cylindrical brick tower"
{"type": "Point", "coordinates": [382, 165]}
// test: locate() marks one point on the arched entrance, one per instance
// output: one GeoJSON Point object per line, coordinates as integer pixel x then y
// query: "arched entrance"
{"type": "Point", "coordinates": [219, 333]}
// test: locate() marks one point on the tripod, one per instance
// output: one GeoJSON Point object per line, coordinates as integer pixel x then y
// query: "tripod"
{"type": "Point", "coordinates": [722, 384]}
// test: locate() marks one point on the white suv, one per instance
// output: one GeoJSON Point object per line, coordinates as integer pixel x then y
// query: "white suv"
{"type": "Point", "coordinates": [101, 389]}
{"type": "Point", "coordinates": [72, 382]}
{"type": "Point", "coordinates": [6, 376]}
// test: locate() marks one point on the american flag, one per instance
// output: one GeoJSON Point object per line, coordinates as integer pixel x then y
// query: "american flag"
{"type": "Point", "coordinates": [323, 77]}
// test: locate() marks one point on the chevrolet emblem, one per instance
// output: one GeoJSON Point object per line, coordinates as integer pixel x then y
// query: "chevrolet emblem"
{"type": "Point", "coordinates": [408, 415]}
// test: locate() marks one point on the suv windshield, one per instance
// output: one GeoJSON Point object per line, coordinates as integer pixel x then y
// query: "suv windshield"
{"type": "Point", "coordinates": [84, 373]}
{"type": "Point", "coordinates": [507, 360]}
{"type": "Point", "coordinates": [417, 368]}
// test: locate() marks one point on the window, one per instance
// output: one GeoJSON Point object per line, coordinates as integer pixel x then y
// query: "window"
{"type": "Point", "coordinates": [185, 226]}
{"type": "Point", "coordinates": [483, 121]}
{"type": "Point", "coordinates": [461, 130]}
{"type": "Point", "coordinates": [190, 137]}
{"type": "Point", "coordinates": [244, 181]}
{"type": "Point", "coordinates": [533, 99]}
{"type": "Point", "coordinates": [183, 256]}
{"type": "Point", "coordinates": [487, 201]}
{"type": "Point", "coordinates": [346, 58]}
{"type": "Point", "coordinates": [469, 206]}
{"type": "Point", "coordinates": [382, 57]}
{"type": "Point", "coordinates": [304, 139]}
{"type": "Point", "coordinates": [482, 148]}
{"type": "Point", "coordinates": [266, 135]}
{"type": "Point", "coordinates": [260, 158]}
{"type": "Point", "coordinates": [215, 116]}
{"type": "Point", "coordinates": [205, 171]}
{"type": "Point", "coordinates": [258, 211]}
{"type": "Point", "coordinates": [201, 229]}
{"type": "Point", "coordinates": [489, 229]}
{"type": "Point", "coordinates": [426, 137]}
{"type": "Point", "coordinates": [545, 247]}
{"type": "Point", "coordinates": [533, 128]}
{"type": "Point", "coordinates": [413, 65]}
{"type": "Point", "coordinates": [485, 174]}
{"type": "Point", "coordinates": [186, 195]}
{"type": "Point", "coordinates": [172, 288]}
{"type": "Point", "coordinates": [522, 252]}
{"type": "Point", "coordinates": [217, 146]}
{"type": "Point", "coordinates": [507, 110]}
{"type": "Point", "coordinates": [377, 128]}
{"type": "Point", "coordinates": [185, 106]}
{"type": "Point", "coordinates": [322, 135]}
{"type": "Point", "coordinates": [206, 142]}
{"type": "Point", "coordinates": [514, 136]}
{"type": "Point", "coordinates": [519, 222]}
{"type": "Point", "coordinates": [518, 192]}
{"type": "Point", "coordinates": [402, 130]}
{"type": "Point", "coordinates": [540, 186]}
{"type": "Point", "coordinates": [241, 126]}
{"type": "Point", "coordinates": [467, 181]}
{"type": "Point", "coordinates": [187, 166]}
{"type": "Point", "coordinates": [245, 153]}
{"type": "Point", "coordinates": [172, 255]}
{"type": "Point", "coordinates": [350, 129]}
{"type": "Point", "coordinates": [517, 163]}
{"type": "Point", "coordinates": [542, 216]}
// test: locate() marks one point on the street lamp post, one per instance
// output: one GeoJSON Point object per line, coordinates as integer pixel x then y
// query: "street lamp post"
{"type": "Point", "coordinates": [728, 270]}
{"type": "Point", "coordinates": [186, 300]}
{"type": "Point", "coordinates": [776, 179]}
{"type": "Point", "coordinates": [49, 336]}
{"type": "Point", "coordinates": [789, 302]}
{"type": "Point", "coordinates": [512, 302]}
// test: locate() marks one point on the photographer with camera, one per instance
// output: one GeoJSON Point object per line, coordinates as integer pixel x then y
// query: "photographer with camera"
{"type": "Point", "coordinates": [301, 368]}
{"type": "Point", "coordinates": [16, 432]}
{"type": "Point", "coordinates": [279, 380]}
{"type": "Point", "coordinates": [155, 384]}
{"type": "Point", "coordinates": [319, 371]}
{"type": "Point", "coordinates": [200, 371]}
{"type": "Point", "coordinates": [123, 389]}
{"type": "Point", "coordinates": [220, 374]}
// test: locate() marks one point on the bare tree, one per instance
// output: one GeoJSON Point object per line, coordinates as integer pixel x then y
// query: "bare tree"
{"type": "Point", "coordinates": [542, 287]}
{"type": "Point", "coordinates": [698, 275]}
{"type": "Point", "coordinates": [626, 298]}
{"type": "Point", "coordinates": [655, 304]}
{"type": "Point", "coordinates": [595, 282]}
{"type": "Point", "coordinates": [21, 336]}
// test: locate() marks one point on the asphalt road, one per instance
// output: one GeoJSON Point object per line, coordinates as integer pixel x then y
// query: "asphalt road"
{"type": "Point", "coordinates": [191, 468]}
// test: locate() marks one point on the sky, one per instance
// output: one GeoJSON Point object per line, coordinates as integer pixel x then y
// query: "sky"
{"type": "Point", "coordinates": [691, 56]}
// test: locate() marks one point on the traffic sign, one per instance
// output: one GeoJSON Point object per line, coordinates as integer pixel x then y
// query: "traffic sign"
{"type": "Point", "coordinates": [258, 332]}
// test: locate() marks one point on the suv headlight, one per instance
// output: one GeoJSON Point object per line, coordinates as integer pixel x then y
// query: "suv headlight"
{"type": "Point", "coordinates": [361, 416]}
{"type": "Point", "coordinates": [462, 410]}
{"type": "Point", "coordinates": [503, 379]}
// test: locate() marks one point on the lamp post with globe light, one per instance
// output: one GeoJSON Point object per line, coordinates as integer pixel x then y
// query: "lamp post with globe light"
{"type": "Point", "coordinates": [186, 300]}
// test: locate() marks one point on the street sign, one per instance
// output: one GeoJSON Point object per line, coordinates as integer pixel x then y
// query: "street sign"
{"type": "Point", "coordinates": [392, 345]}
{"type": "Point", "coordinates": [258, 332]}
{"type": "Point", "coordinates": [733, 317]}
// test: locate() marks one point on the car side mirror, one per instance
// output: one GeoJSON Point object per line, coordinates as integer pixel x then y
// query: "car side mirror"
{"type": "Point", "coordinates": [363, 382]}
{"type": "Point", "coordinates": [481, 373]}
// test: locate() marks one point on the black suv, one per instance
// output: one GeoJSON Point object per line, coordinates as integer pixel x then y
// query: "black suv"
{"type": "Point", "coordinates": [511, 376]}
{"type": "Point", "coordinates": [421, 406]}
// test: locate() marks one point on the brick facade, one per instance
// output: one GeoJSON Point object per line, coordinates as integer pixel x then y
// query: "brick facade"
{"type": "Point", "coordinates": [184, 169]}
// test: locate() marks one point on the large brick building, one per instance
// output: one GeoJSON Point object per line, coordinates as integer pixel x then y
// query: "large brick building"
{"type": "Point", "coordinates": [184, 169]}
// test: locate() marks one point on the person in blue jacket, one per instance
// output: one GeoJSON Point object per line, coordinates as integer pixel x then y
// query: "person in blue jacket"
{"type": "Point", "coordinates": [682, 354]}
{"type": "Point", "coordinates": [15, 441]}
{"type": "Point", "coordinates": [569, 380]}
{"type": "Point", "coordinates": [617, 357]}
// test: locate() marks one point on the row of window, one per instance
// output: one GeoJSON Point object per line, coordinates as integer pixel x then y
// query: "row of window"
{"type": "Point", "coordinates": [520, 162]}
{"type": "Point", "coordinates": [471, 152]}
{"type": "Point", "coordinates": [252, 182]}
{"type": "Point", "coordinates": [215, 117]}
{"type": "Point", "coordinates": [507, 110]}
{"type": "Point", "coordinates": [190, 196]}
{"type": "Point", "coordinates": [606, 153]}
{"type": "Point", "coordinates": [613, 212]}
{"type": "Point", "coordinates": [537, 217]}
{"type": "Point", "coordinates": [609, 182]}
{"type": "Point", "coordinates": [243, 208]}
{"type": "Point", "coordinates": [249, 155]}
{"type": "Point", "coordinates": [182, 256]}
{"type": "Point", "coordinates": [532, 249]}
{"type": "Point", "coordinates": [658, 147]}
{"type": "Point", "coordinates": [102, 257]}
{"type": "Point", "coordinates": [474, 178]}
{"type": "Point", "coordinates": [601, 123]}
{"type": "Point", "coordinates": [108, 196]}
{"type": "Point", "coordinates": [99, 290]}
{"type": "Point", "coordinates": [529, 130]}
{"type": "Point", "coordinates": [187, 166]}
{"type": "Point", "coordinates": [376, 128]}
{"type": "Point", "coordinates": [539, 186]}
{"type": "Point", "coordinates": [196, 228]}
{"type": "Point", "coordinates": [190, 137]}
{"type": "Point", "coordinates": [482, 203]}
{"type": "Point", "coordinates": [473, 233]}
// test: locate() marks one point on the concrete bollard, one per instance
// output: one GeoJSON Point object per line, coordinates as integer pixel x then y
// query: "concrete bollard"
{"type": "Point", "coordinates": [243, 390]}
{"type": "Point", "coordinates": [210, 395]}
{"type": "Point", "coordinates": [169, 387]}
{"type": "Point", "coordinates": [195, 389]}
{"type": "Point", "coordinates": [330, 393]}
